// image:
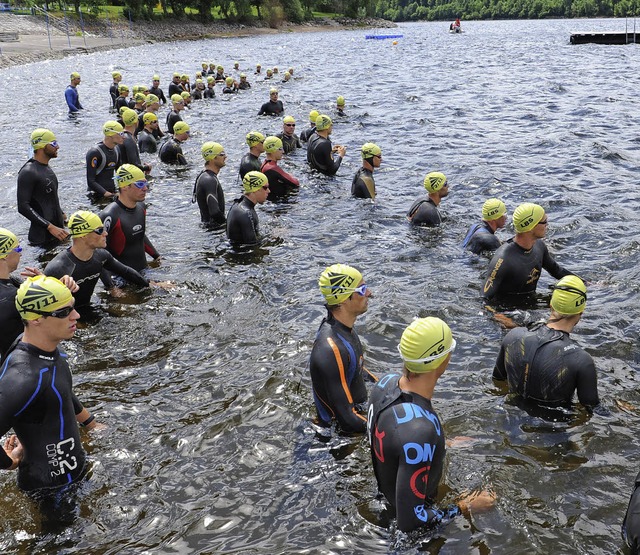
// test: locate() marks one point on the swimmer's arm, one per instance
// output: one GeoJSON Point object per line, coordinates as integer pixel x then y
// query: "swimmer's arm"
{"type": "Point", "coordinates": [85, 418]}
{"type": "Point", "coordinates": [150, 249]}
{"type": "Point", "coordinates": [217, 215]}
{"type": "Point", "coordinates": [550, 265]}
{"type": "Point", "coordinates": [92, 181]}
{"type": "Point", "coordinates": [25, 193]}
{"type": "Point", "coordinates": [587, 383]}
{"type": "Point", "coordinates": [494, 278]}
{"type": "Point", "coordinates": [124, 271]}
{"type": "Point", "coordinates": [499, 371]}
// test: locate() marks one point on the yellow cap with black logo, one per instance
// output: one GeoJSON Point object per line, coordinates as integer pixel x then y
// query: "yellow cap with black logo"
{"type": "Point", "coordinates": [151, 99]}
{"type": "Point", "coordinates": [271, 144]}
{"type": "Point", "coordinates": [434, 181]}
{"type": "Point", "coordinates": [338, 282]}
{"type": "Point", "coordinates": [253, 181]}
{"type": "Point", "coordinates": [112, 128]}
{"type": "Point", "coordinates": [493, 209]}
{"type": "Point", "coordinates": [425, 344]}
{"type": "Point", "coordinates": [323, 122]}
{"type": "Point", "coordinates": [129, 117]}
{"type": "Point", "coordinates": [527, 216]}
{"type": "Point", "coordinates": [369, 150]}
{"type": "Point", "coordinates": [41, 294]}
{"type": "Point", "coordinates": [128, 174]}
{"type": "Point", "coordinates": [83, 222]}
{"type": "Point", "coordinates": [41, 138]}
{"type": "Point", "coordinates": [569, 296]}
{"type": "Point", "coordinates": [181, 127]}
{"type": "Point", "coordinates": [254, 138]}
{"type": "Point", "coordinates": [149, 117]}
{"type": "Point", "coordinates": [8, 242]}
{"type": "Point", "coordinates": [177, 99]}
{"type": "Point", "coordinates": [210, 150]}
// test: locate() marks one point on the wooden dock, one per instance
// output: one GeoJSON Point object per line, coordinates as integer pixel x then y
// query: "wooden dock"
{"type": "Point", "coordinates": [605, 38]}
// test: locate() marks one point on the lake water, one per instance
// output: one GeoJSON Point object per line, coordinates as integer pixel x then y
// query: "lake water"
{"type": "Point", "coordinates": [205, 389]}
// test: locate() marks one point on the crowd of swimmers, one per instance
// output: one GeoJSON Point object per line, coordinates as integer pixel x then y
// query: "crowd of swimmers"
{"type": "Point", "coordinates": [540, 363]}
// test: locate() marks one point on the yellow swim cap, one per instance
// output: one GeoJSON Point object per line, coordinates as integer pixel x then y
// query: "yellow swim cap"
{"type": "Point", "coordinates": [41, 294]}
{"type": "Point", "coordinates": [112, 128]}
{"type": "Point", "coordinates": [313, 114]}
{"type": "Point", "coordinates": [269, 72]}
{"type": "Point", "coordinates": [151, 99]}
{"type": "Point", "coordinates": [75, 75]}
{"type": "Point", "coordinates": [122, 88]}
{"type": "Point", "coordinates": [210, 150]}
{"type": "Point", "coordinates": [115, 74]}
{"type": "Point", "coordinates": [323, 122]}
{"type": "Point", "coordinates": [198, 74]}
{"type": "Point", "coordinates": [185, 94]}
{"type": "Point", "coordinates": [229, 80]}
{"type": "Point", "coordinates": [435, 181]}
{"type": "Point", "coordinates": [41, 138]}
{"type": "Point", "coordinates": [258, 65]}
{"type": "Point", "coordinates": [177, 99]}
{"type": "Point", "coordinates": [204, 64]}
{"type": "Point", "coordinates": [338, 282]}
{"type": "Point", "coordinates": [149, 117]}
{"type": "Point", "coordinates": [340, 101]}
{"type": "Point", "coordinates": [569, 296]}
{"type": "Point", "coordinates": [198, 81]}
{"type": "Point", "coordinates": [8, 242]}
{"type": "Point", "coordinates": [219, 68]}
{"type": "Point", "coordinates": [272, 90]}
{"type": "Point", "coordinates": [271, 144]}
{"type": "Point", "coordinates": [210, 79]}
{"type": "Point", "coordinates": [181, 127]}
{"type": "Point", "coordinates": [253, 181]}
{"type": "Point", "coordinates": [243, 76]}
{"type": "Point", "coordinates": [83, 222]}
{"type": "Point", "coordinates": [155, 78]}
{"type": "Point", "coordinates": [184, 77]}
{"type": "Point", "coordinates": [493, 209]}
{"type": "Point", "coordinates": [129, 117]}
{"type": "Point", "coordinates": [369, 150]}
{"type": "Point", "coordinates": [176, 74]}
{"type": "Point", "coordinates": [139, 97]}
{"type": "Point", "coordinates": [128, 174]}
{"type": "Point", "coordinates": [123, 109]}
{"type": "Point", "coordinates": [288, 119]}
{"type": "Point", "coordinates": [254, 138]}
{"type": "Point", "coordinates": [527, 216]}
{"type": "Point", "coordinates": [425, 344]}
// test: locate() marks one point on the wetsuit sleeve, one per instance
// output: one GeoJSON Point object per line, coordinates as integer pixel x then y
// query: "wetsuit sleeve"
{"type": "Point", "coordinates": [107, 281]}
{"type": "Point", "coordinates": [263, 110]}
{"type": "Point", "coordinates": [181, 159]}
{"type": "Point", "coordinates": [285, 177]}
{"type": "Point", "coordinates": [26, 182]}
{"type": "Point", "coordinates": [494, 277]}
{"type": "Point", "coordinates": [499, 371]}
{"type": "Point", "coordinates": [150, 249]}
{"type": "Point", "coordinates": [551, 266]}
{"type": "Point", "coordinates": [323, 151]}
{"type": "Point", "coordinates": [587, 386]}
{"type": "Point", "coordinates": [77, 405]}
{"type": "Point", "coordinates": [71, 101]}
{"type": "Point", "coordinates": [124, 271]}
{"type": "Point", "coordinates": [94, 161]}
{"type": "Point", "coordinates": [215, 211]}
{"type": "Point", "coordinates": [328, 366]}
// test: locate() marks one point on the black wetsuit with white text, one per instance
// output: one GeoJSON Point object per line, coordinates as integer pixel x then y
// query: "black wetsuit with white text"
{"type": "Point", "coordinates": [320, 155]}
{"type": "Point", "coordinates": [242, 222]}
{"type": "Point", "coordinates": [210, 197]}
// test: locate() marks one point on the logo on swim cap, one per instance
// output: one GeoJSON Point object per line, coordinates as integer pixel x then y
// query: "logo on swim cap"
{"type": "Point", "coordinates": [369, 150]}
{"type": "Point", "coordinates": [112, 128]}
{"type": "Point", "coordinates": [129, 117]}
{"type": "Point", "coordinates": [254, 181]}
{"type": "Point", "coordinates": [180, 128]}
{"type": "Point", "coordinates": [323, 122]}
{"type": "Point", "coordinates": [42, 294]}
{"type": "Point", "coordinates": [83, 222]}
{"type": "Point", "coordinates": [41, 138]}
{"type": "Point", "coordinates": [128, 174]}
{"type": "Point", "coordinates": [569, 296]}
{"type": "Point", "coordinates": [149, 117]}
{"type": "Point", "coordinates": [425, 343]}
{"type": "Point", "coordinates": [8, 242]}
{"type": "Point", "coordinates": [493, 209]}
{"type": "Point", "coordinates": [139, 97]}
{"type": "Point", "coordinates": [210, 150]}
{"type": "Point", "coordinates": [338, 282]}
{"type": "Point", "coordinates": [271, 144]}
{"type": "Point", "coordinates": [254, 138]}
{"type": "Point", "coordinates": [123, 88]}
{"type": "Point", "coordinates": [527, 216]}
{"type": "Point", "coordinates": [434, 181]}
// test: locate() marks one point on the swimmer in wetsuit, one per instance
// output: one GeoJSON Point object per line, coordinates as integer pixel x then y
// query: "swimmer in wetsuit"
{"type": "Point", "coordinates": [210, 91]}
{"type": "Point", "coordinates": [171, 150]}
{"type": "Point", "coordinates": [243, 85]}
{"type": "Point", "coordinates": [10, 321]}
{"type": "Point", "coordinates": [86, 260]}
{"type": "Point", "coordinates": [157, 91]}
{"type": "Point", "coordinates": [336, 363]}
{"type": "Point", "coordinates": [363, 185]}
{"type": "Point", "coordinates": [113, 89]}
{"type": "Point", "coordinates": [281, 183]}
{"type": "Point", "coordinates": [274, 107]}
{"type": "Point", "coordinates": [251, 160]}
{"type": "Point", "coordinates": [125, 220]}
{"type": "Point", "coordinates": [543, 363]}
{"type": "Point", "coordinates": [129, 153]}
{"type": "Point", "coordinates": [174, 116]}
{"type": "Point", "coordinates": [340, 104]}
{"type": "Point", "coordinates": [306, 134]}
{"type": "Point", "coordinates": [123, 100]}
{"type": "Point", "coordinates": [406, 436]}
{"type": "Point", "coordinates": [207, 190]}
{"type": "Point", "coordinates": [102, 161]}
{"type": "Point", "coordinates": [147, 141]}
{"type": "Point", "coordinates": [230, 87]}
{"type": "Point", "coordinates": [242, 220]}
{"type": "Point", "coordinates": [481, 237]}
{"type": "Point", "coordinates": [290, 141]}
{"type": "Point", "coordinates": [36, 392]}
{"type": "Point", "coordinates": [631, 522]}
{"type": "Point", "coordinates": [174, 86]}
{"type": "Point", "coordinates": [516, 266]}
{"type": "Point", "coordinates": [321, 155]}
{"type": "Point", "coordinates": [424, 212]}
{"type": "Point", "coordinates": [71, 94]}
{"type": "Point", "coordinates": [38, 192]}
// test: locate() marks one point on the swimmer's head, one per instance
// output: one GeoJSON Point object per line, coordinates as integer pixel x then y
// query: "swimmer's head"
{"type": "Point", "coordinates": [176, 75]}
{"type": "Point", "coordinates": [243, 76]}
{"type": "Point", "coordinates": [75, 75]}
{"type": "Point", "coordinates": [338, 282]}
{"type": "Point", "coordinates": [435, 181]}
{"type": "Point", "coordinates": [184, 77]}
{"type": "Point", "coordinates": [128, 174]}
{"type": "Point", "coordinates": [8, 242]}
{"type": "Point", "coordinates": [116, 74]}
{"type": "Point", "coordinates": [83, 222]}
{"type": "Point", "coordinates": [527, 216]}
{"type": "Point", "coordinates": [210, 150]}
{"type": "Point", "coordinates": [185, 95]}
{"type": "Point", "coordinates": [151, 99]}
{"type": "Point", "coordinates": [425, 344]}
{"type": "Point", "coordinates": [41, 138]}
{"type": "Point", "coordinates": [288, 119]}
{"type": "Point", "coordinates": [323, 122]}
{"type": "Point", "coordinates": [369, 150]}
{"type": "Point", "coordinates": [111, 128]}
{"type": "Point", "coordinates": [180, 128]}
{"type": "Point", "coordinates": [569, 296]}
{"type": "Point", "coordinates": [269, 72]}
{"type": "Point", "coordinates": [313, 114]}
{"type": "Point", "coordinates": [254, 181]}
{"type": "Point", "coordinates": [493, 209]}
{"type": "Point", "coordinates": [271, 144]}
{"type": "Point", "coordinates": [272, 90]}
{"type": "Point", "coordinates": [210, 79]}
{"type": "Point", "coordinates": [177, 99]}
{"type": "Point", "coordinates": [229, 81]}
{"type": "Point", "coordinates": [129, 117]}
{"type": "Point", "coordinates": [123, 88]}
{"type": "Point", "coordinates": [149, 118]}
{"type": "Point", "coordinates": [156, 78]}
{"type": "Point", "coordinates": [220, 69]}
{"type": "Point", "coordinates": [41, 295]}
{"type": "Point", "coordinates": [139, 97]}
{"type": "Point", "coordinates": [340, 101]}
{"type": "Point", "coordinates": [254, 138]}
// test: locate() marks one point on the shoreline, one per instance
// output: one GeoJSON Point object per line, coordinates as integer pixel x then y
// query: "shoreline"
{"type": "Point", "coordinates": [35, 45]}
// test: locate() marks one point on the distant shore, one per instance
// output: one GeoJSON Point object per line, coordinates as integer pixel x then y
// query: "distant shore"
{"type": "Point", "coordinates": [35, 45]}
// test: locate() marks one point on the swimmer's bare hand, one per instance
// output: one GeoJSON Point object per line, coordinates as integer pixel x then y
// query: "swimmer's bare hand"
{"type": "Point", "coordinates": [59, 233]}
{"type": "Point", "coordinates": [13, 448]}
{"type": "Point", "coordinates": [70, 283]}
{"type": "Point", "coordinates": [506, 322]}
{"type": "Point", "coordinates": [342, 150]}
{"type": "Point", "coordinates": [108, 194]}
{"type": "Point", "coordinates": [166, 285]}
{"type": "Point", "coordinates": [459, 441]}
{"type": "Point", "coordinates": [477, 501]}
{"type": "Point", "coordinates": [30, 271]}
{"type": "Point", "coordinates": [116, 292]}
{"type": "Point", "coordinates": [99, 426]}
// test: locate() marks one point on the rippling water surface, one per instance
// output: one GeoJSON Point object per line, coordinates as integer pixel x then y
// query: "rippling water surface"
{"type": "Point", "coordinates": [205, 389]}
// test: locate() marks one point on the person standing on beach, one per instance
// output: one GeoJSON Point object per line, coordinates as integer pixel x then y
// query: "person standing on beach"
{"type": "Point", "coordinates": [71, 94]}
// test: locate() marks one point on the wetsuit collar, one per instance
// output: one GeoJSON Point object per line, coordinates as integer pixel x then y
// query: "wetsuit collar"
{"type": "Point", "coordinates": [44, 355]}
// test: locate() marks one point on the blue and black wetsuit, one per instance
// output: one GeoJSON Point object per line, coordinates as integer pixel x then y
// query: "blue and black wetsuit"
{"type": "Point", "coordinates": [481, 238]}
{"type": "Point", "coordinates": [242, 222]}
{"type": "Point", "coordinates": [10, 322]}
{"type": "Point", "coordinates": [37, 401]}
{"type": "Point", "coordinates": [337, 373]}
{"type": "Point", "coordinates": [210, 197]}
{"type": "Point", "coordinates": [424, 212]}
{"type": "Point", "coordinates": [102, 162]}
{"type": "Point", "coordinates": [73, 99]}
{"type": "Point", "coordinates": [408, 452]}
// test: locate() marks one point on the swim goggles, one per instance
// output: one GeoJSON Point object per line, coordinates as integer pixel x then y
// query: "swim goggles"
{"type": "Point", "coordinates": [18, 249]}
{"type": "Point", "coordinates": [430, 358]}
{"type": "Point", "coordinates": [569, 289]}
{"type": "Point", "coordinates": [60, 313]}
{"type": "Point", "coordinates": [361, 290]}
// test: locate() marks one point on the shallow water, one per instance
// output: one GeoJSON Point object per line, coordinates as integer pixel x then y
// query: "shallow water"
{"type": "Point", "coordinates": [205, 389]}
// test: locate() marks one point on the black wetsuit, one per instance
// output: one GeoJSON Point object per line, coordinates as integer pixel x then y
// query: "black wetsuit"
{"type": "Point", "coordinates": [363, 185]}
{"type": "Point", "coordinates": [631, 523]}
{"type": "Point", "coordinates": [271, 108]}
{"type": "Point", "coordinates": [546, 366]}
{"type": "Point", "coordinates": [197, 94]}
{"type": "Point", "coordinates": [159, 93]}
{"type": "Point", "coordinates": [129, 153]}
{"type": "Point", "coordinates": [337, 374]}
{"type": "Point", "coordinates": [210, 196]}
{"type": "Point", "coordinates": [121, 102]}
{"type": "Point", "coordinates": [37, 401]}
{"type": "Point", "coordinates": [229, 90]}
{"type": "Point", "coordinates": [173, 117]}
{"type": "Point", "coordinates": [289, 143]}
{"type": "Point", "coordinates": [101, 162]}
{"type": "Point", "coordinates": [320, 157]}
{"type": "Point", "coordinates": [127, 240]}
{"type": "Point", "coordinates": [209, 92]}
{"type": "Point", "coordinates": [514, 270]}
{"type": "Point", "coordinates": [306, 134]}
{"type": "Point", "coordinates": [87, 272]}
{"type": "Point", "coordinates": [220, 77]}
{"type": "Point", "coordinates": [114, 93]}
{"type": "Point", "coordinates": [244, 85]}
{"type": "Point", "coordinates": [408, 452]}
{"type": "Point", "coordinates": [171, 152]}
{"type": "Point", "coordinates": [249, 163]}
{"type": "Point", "coordinates": [281, 183]}
{"type": "Point", "coordinates": [242, 222]}
{"type": "Point", "coordinates": [147, 142]}
{"type": "Point", "coordinates": [424, 212]}
{"type": "Point", "coordinates": [38, 200]}
{"type": "Point", "coordinates": [480, 238]}
{"type": "Point", "coordinates": [10, 322]}
{"type": "Point", "coordinates": [175, 88]}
